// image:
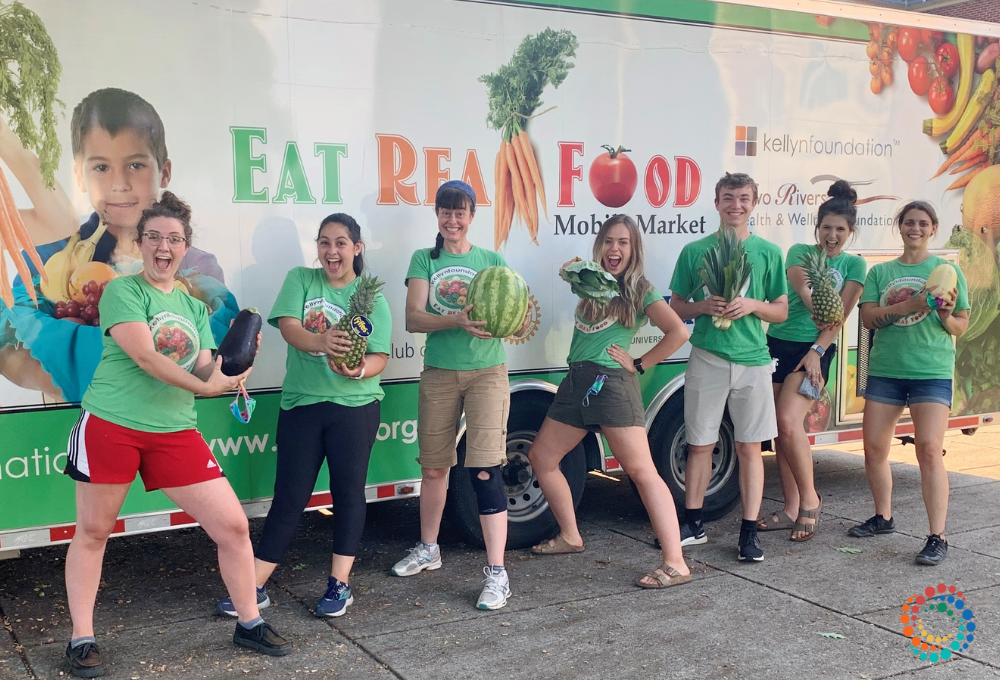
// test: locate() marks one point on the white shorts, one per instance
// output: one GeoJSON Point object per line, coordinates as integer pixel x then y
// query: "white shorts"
{"type": "Point", "coordinates": [710, 383]}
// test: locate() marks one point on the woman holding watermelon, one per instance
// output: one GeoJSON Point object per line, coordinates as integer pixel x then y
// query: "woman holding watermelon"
{"type": "Point", "coordinates": [804, 346]}
{"type": "Point", "coordinates": [328, 412]}
{"type": "Point", "coordinates": [464, 368]}
{"type": "Point", "coordinates": [912, 363]}
{"type": "Point", "coordinates": [138, 416]}
{"type": "Point", "coordinates": [601, 394]}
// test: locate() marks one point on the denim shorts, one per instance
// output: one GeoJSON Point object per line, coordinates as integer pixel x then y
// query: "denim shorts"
{"type": "Point", "coordinates": [902, 392]}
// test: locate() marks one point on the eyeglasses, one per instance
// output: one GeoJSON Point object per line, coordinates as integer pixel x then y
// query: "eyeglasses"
{"type": "Point", "coordinates": [155, 238]}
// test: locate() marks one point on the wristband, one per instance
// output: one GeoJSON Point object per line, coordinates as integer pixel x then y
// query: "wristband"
{"type": "Point", "coordinates": [819, 350]}
{"type": "Point", "coordinates": [638, 366]}
{"type": "Point", "coordinates": [359, 377]}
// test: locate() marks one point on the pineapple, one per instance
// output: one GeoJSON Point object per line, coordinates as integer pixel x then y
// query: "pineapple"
{"type": "Point", "coordinates": [828, 308]}
{"type": "Point", "coordinates": [362, 304]}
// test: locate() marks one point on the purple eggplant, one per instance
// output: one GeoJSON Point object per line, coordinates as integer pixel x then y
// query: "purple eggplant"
{"type": "Point", "coordinates": [239, 348]}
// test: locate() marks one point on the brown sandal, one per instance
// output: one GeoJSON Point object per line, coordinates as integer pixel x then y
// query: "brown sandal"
{"type": "Point", "coordinates": [808, 529]}
{"type": "Point", "coordinates": [665, 576]}
{"type": "Point", "coordinates": [557, 546]}
{"type": "Point", "coordinates": [768, 524]}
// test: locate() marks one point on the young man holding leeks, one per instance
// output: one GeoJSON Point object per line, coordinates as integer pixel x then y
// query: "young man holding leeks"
{"type": "Point", "coordinates": [729, 282]}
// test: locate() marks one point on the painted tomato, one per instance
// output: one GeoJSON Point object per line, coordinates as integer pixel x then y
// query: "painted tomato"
{"type": "Point", "coordinates": [946, 57]}
{"type": "Point", "coordinates": [920, 79]}
{"type": "Point", "coordinates": [941, 96]}
{"type": "Point", "coordinates": [613, 177]}
{"type": "Point", "coordinates": [909, 41]}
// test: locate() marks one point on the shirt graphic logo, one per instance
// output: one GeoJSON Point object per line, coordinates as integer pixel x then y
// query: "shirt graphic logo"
{"type": "Point", "coordinates": [450, 288]}
{"type": "Point", "coordinates": [176, 338]}
{"type": "Point", "coordinates": [901, 290]}
{"type": "Point", "coordinates": [320, 315]}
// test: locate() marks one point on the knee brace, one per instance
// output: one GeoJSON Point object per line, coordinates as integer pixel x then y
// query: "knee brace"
{"type": "Point", "coordinates": [490, 494]}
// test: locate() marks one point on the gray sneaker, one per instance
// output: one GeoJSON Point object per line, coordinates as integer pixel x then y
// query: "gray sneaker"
{"type": "Point", "coordinates": [419, 558]}
{"type": "Point", "coordinates": [224, 607]}
{"type": "Point", "coordinates": [496, 589]}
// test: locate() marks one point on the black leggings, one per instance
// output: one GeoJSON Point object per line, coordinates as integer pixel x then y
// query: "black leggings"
{"type": "Point", "coordinates": [308, 435]}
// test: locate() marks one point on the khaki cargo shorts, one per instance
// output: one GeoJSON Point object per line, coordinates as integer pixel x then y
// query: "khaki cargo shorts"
{"type": "Point", "coordinates": [710, 383]}
{"type": "Point", "coordinates": [485, 396]}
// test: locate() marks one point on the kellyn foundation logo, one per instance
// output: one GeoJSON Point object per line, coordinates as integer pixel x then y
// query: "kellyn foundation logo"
{"type": "Point", "coordinates": [939, 623]}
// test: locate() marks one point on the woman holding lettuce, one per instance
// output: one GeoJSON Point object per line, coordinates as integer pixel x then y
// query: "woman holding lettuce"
{"type": "Point", "coordinates": [601, 394]}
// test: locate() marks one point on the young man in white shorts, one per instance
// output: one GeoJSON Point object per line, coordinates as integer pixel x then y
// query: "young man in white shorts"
{"type": "Point", "coordinates": [731, 366]}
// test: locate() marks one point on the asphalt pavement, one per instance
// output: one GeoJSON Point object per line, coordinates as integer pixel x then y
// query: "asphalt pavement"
{"type": "Point", "coordinates": [809, 610]}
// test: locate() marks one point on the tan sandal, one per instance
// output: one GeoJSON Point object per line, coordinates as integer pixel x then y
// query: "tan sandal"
{"type": "Point", "coordinates": [808, 529]}
{"type": "Point", "coordinates": [776, 521]}
{"type": "Point", "coordinates": [557, 546]}
{"type": "Point", "coordinates": [665, 576]}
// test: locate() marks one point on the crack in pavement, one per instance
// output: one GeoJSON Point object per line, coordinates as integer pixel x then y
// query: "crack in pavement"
{"type": "Point", "coordinates": [18, 647]}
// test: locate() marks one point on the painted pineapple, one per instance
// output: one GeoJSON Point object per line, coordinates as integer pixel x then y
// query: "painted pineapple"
{"type": "Point", "coordinates": [828, 307]}
{"type": "Point", "coordinates": [362, 304]}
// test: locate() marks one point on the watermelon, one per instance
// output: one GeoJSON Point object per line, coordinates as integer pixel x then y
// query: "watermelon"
{"type": "Point", "coordinates": [499, 296]}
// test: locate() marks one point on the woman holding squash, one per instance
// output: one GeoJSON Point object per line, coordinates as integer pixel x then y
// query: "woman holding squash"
{"type": "Point", "coordinates": [329, 412]}
{"type": "Point", "coordinates": [911, 364]}
{"type": "Point", "coordinates": [601, 393]}
{"type": "Point", "coordinates": [138, 416]}
{"type": "Point", "coordinates": [464, 369]}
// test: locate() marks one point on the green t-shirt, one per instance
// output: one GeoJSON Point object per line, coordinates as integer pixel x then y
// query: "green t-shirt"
{"type": "Point", "coordinates": [306, 295]}
{"type": "Point", "coordinates": [743, 342]}
{"type": "Point", "coordinates": [126, 395]}
{"type": "Point", "coordinates": [449, 277]}
{"type": "Point", "coordinates": [591, 339]}
{"type": "Point", "coordinates": [916, 347]}
{"type": "Point", "coordinates": [799, 326]}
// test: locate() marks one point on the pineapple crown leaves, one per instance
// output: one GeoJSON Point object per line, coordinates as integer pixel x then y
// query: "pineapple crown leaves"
{"type": "Point", "coordinates": [816, 269]}
{"type": "Point", "coordinates": [725, 268]}
{"type": "Point", "coordinates": [363, 299]}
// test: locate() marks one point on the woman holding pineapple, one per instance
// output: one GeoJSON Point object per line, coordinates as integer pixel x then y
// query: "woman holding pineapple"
{"type": "Point", "coordinates": [330, 406]}
{"type": "Point", "coordinates": [824, 285]}
{"type": "Point", "coordinates": [465, 368]}
{"type": "Point", "coordinates": [917, 305]}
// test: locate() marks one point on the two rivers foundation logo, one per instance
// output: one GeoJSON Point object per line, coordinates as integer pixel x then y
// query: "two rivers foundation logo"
{"type": "Point", "coordinates": [939, 623]}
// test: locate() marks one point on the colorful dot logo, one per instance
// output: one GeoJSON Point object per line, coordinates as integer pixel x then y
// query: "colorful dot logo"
{"type": "Point", "coordinates": [938, 600]}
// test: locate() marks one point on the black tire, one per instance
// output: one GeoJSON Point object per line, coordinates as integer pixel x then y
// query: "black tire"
{"type": "Point", "coordinates": [530, 520]}
{"type": "Point", "coordinates": [669, 449]}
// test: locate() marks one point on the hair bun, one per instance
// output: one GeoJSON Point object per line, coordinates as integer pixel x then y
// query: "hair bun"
{"type": "Point", "coordinates": [170, 201]}
{"type": "Point", "coordinates": [842, 189]}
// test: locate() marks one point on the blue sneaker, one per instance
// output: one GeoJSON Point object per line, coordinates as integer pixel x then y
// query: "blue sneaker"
{"type": "Point", "coordinates": [224, 607]}
{"type": "Point", "coordinates": [336, 600]}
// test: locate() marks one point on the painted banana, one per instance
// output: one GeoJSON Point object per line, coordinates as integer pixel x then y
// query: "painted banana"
{"type": "Point", "coordinates": [58, 268]}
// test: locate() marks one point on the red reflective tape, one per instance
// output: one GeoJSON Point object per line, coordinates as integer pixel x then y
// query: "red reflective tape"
{"type": "Point", "coordinates": [612, 464]}
{"type": "Point", "coordinates": [969, 421]}
{"type": "Point", "coordinates": [181, 518]}
{"type": "Point", "coordinates": [385, 491]}
{"type": "Point", "coordinates": [62, 533]}
{"type": "Point", "coordinates": [812, 439]}
{"type": "Point", "coordinates": [849, 436]}
{"type": "Point", "coordinates": [319, 500]}
{"type": "Point", "coordinates": [119, 527]}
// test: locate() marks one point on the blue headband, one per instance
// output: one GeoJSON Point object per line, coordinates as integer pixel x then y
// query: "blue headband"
{"type": "Point", "coordinates": [461, 186]}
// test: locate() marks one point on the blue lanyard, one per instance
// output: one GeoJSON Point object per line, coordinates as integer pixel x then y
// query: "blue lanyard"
{"type": "Point", "coordinates": [594, 389]}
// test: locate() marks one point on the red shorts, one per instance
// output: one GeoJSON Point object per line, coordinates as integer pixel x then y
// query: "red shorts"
{"type": "Point", "coordinates": [104, 453]}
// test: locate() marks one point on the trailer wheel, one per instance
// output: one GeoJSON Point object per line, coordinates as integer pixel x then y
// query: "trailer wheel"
{"type": "Point", "coordinates": [529, 519]}
{"type": "Point", "coordinates": [669, 448]}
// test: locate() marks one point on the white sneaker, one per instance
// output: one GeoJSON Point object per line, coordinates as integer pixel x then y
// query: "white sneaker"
{"type": "Point", "coordinates": [418, 559]}
{"type": "Point", "coordinates": [495, 591]}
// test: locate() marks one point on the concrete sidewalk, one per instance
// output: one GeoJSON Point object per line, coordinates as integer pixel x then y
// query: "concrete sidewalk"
{"type": "Point", "coordinates": [571, 616]}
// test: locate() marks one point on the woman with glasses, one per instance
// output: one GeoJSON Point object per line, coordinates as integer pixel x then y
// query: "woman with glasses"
{"type": "Point", "coordinates": [138, 416]}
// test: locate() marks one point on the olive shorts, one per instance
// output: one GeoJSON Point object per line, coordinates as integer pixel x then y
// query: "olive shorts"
{"type": "Point", "coordinates": [618, 404]}
{"type": "Point", "coordinates": [484, 394]}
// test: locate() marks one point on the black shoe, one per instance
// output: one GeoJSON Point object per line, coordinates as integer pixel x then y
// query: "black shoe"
{"type": "Point", "coordinates": [689, 536]}
{"type": "Point", "coordinates": [262, 638]}
{"type": "Point", "coordinates": [934, 552]}
{"type": "Point", "coordinates": [750, 550]}
{"type": "Point", "coordinates": [85, 660]}
{"type": "Point", "coordinates": [876, 524]}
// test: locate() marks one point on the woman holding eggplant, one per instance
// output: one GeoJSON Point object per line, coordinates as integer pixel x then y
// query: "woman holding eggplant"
{"type": "Point", "coordinates": [601, 394]}
{"type": "Point", "coordinates": [138, 416]}
{"type": "Point", "coordinates": [329, 411]}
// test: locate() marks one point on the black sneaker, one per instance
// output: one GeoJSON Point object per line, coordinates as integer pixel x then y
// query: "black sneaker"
{"type": "Point", "coordinates": [934, 552]}
{"type": "Point", "coordinates": [85, 660]}
{"type": "Point", "coordinates": [750, 550]}
{"type": "Point", "coordinates": [262, 638]}
{"type": "Point", "coordinates": [689, 536]}
{"type": "Point", "coordinates": [876, 524]}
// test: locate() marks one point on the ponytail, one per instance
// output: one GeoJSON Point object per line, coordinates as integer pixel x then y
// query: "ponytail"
{"type": "Point", "coordinates": [438, 245]}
